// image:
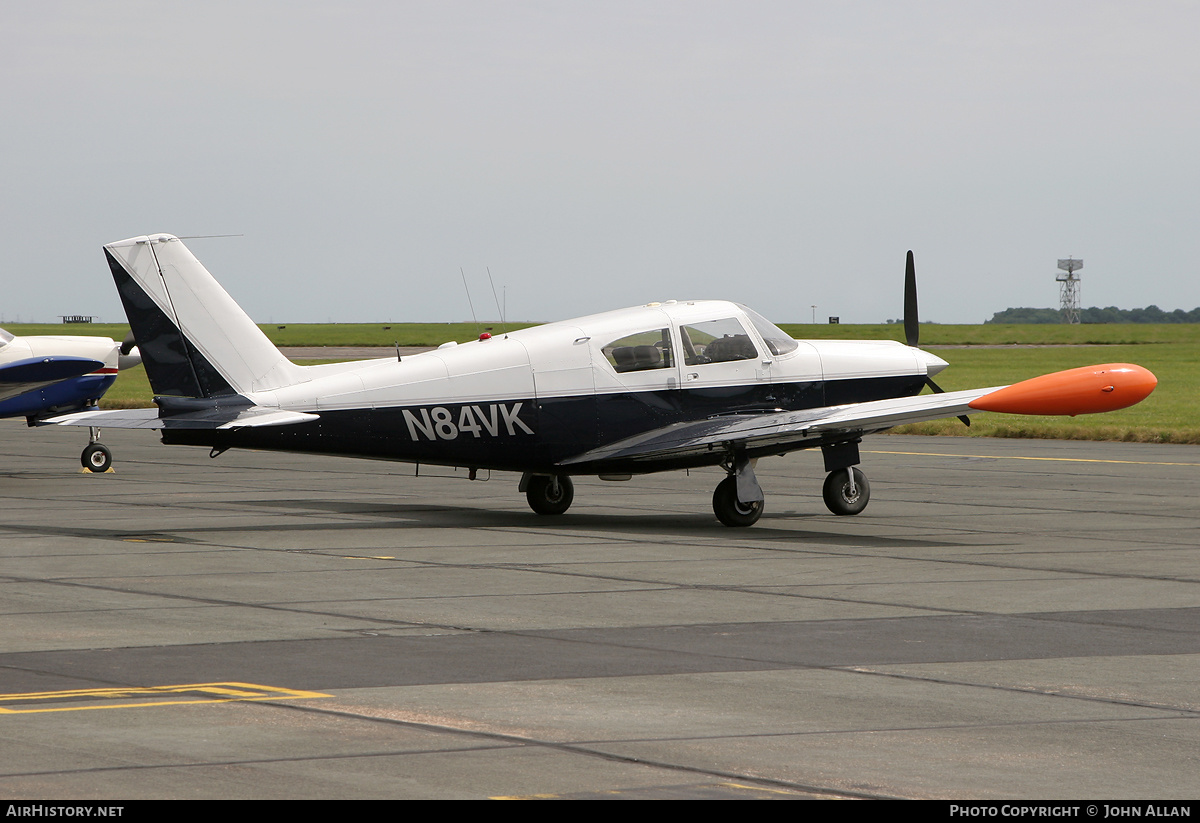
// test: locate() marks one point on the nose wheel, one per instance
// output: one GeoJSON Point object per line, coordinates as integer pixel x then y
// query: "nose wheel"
{"type": "Point", "coordinates": [846, 491]}
{"type": "Point", "coordinates": [96, 457]}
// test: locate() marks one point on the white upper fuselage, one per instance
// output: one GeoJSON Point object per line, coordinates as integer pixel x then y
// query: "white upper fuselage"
{"type": "Point", "coordinates": [100, 349]}
{"type": "Point", "coordinates": [574, 357]}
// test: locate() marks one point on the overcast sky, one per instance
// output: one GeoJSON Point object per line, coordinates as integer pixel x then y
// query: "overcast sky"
{"type": "Point", "coordinates": [604, 154]}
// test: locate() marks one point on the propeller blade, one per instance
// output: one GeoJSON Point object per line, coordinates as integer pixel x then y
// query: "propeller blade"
{"type": "Point", "coordinates": [912, 326]}
{"type": "Point", "coordinates": [128, 343]}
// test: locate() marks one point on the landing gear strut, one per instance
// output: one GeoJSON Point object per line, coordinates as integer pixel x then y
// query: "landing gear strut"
{"type": "Point", "coordinates": [846, 490]}
{"type": "Point", "coordinates": [738, 500]}
{"type": "Point", "coordinates": [96, 457]}
{"type": "Point", "coordinates": [549, 494]}
{"type": "Point", "coordinates": [731, 511]}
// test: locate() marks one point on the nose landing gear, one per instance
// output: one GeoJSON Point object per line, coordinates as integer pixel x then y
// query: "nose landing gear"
{"type": "Point", "coordinates": [846, 491]}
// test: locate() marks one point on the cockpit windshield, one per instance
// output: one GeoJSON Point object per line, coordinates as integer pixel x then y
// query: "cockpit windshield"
{"type": "Point", "coordinates": [777, 340]}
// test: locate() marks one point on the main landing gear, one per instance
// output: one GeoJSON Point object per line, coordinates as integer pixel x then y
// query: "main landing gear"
{"type": "Point", "coordinates": [548, 494]}
{"type": "Point", "coordinates": [731, 511]}
{"type": "Point", "coordinates": [96, 457]}
{"type": "Point", "coordinates": [738, 500]}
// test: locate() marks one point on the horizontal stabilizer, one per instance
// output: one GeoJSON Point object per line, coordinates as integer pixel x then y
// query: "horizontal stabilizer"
{"type": "Point", "coordinates": [219, 417]}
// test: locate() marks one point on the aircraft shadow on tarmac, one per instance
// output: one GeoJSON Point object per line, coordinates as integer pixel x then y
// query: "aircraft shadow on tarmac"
{"type": "Point", "coordinates": [652, 523]}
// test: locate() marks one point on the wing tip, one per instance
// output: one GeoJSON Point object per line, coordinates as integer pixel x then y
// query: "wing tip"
{"type": "Point", "coordinates": [1085, 390]}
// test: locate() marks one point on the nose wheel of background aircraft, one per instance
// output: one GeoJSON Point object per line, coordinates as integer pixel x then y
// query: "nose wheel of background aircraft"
{"type": "Point", "coordinates": [96, 457]}
{"type": "Point", "coordinates": [549, 495]}
{"type": "Point", "coordinates": [845, 494]}
{"type": "Point", "coordinates": [731, 511]}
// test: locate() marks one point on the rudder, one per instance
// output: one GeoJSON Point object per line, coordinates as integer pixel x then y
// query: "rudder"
{"type": "Point", "coordinates": [195, 341]}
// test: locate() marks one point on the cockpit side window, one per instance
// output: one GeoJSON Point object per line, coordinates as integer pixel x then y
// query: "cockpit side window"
{"type": "Point", "coordinates": [641, 352]}
{"type": "Point", "coordinates": [716, 341]}
{"type": "Point", "coordinates": [777, 340]}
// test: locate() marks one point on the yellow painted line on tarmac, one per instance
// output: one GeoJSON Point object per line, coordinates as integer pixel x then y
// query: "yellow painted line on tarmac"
{"type": "Point", "coordinates": [75, 700]}
{"type": "Point", "coordinates": [1051, 459]}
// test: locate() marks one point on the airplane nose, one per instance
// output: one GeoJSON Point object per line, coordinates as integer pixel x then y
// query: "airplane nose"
{"type": "Point", "coordinates": [128, 360]}
{"type": "Point", "coordinates": [933, 363]}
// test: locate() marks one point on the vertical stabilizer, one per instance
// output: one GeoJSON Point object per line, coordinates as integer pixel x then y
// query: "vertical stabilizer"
{"type": "Point", "coordinates": [195, 341]}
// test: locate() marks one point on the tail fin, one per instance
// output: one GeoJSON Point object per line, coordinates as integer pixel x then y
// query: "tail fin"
{"type": "Point", "coordinates": [195, 341]}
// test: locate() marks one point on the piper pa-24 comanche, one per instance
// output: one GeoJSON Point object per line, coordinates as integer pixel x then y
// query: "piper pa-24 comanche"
{"type": "Point", "coordinates": [663, 386]}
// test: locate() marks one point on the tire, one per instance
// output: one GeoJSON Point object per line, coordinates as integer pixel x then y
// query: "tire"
{"type": "Point", "coordinates": [545, 499]}
{"type": "Point", "coordinates": [837, 492]}
{"type": "Point", "coordinates": [96, 458]}
{"type": "Point", "coordinates": [731, 511]}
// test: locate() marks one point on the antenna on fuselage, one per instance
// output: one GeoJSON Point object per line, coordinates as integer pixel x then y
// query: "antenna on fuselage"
{"type": "Point", "coordinates": [467, 289]}
{"type": "Point", "coordinates": [503, 328]}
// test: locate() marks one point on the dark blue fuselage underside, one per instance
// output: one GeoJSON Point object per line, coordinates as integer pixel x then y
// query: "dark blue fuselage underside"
{"type": "Point", "coordinates": [76, 394]}
{"type": "Point", "coordinates": [539, 434]}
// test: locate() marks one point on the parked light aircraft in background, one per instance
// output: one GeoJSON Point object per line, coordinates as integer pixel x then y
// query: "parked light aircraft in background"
{"type": "Point", "coordinates": [662, 386]}
{"type": "Point", "coordinates": [45, 376]}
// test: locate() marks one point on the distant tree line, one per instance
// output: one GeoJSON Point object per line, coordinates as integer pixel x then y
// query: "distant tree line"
{"type": "Point", "coordinates": [1150, 314]}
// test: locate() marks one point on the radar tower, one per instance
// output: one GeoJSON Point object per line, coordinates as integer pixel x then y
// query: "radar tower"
{"type": "Point", "coordinates": [1068, 289]}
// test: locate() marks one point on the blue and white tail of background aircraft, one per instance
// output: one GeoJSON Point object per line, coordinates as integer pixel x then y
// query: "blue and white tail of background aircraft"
{"type": "Point", "coordinates": [46, 376]}
{"type": "Point", "coordinates": [663, 386]}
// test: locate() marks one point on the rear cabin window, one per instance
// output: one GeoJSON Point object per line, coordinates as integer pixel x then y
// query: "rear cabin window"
{"type": "Point", "coordinates": [641, 352]}
{"type": "Point", "coordinates": [716, 341]}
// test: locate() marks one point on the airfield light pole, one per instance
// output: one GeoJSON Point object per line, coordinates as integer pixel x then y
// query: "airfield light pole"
{"type": "Point", "coordinates": [1068, 289]}
{"type": "Point", "coordinates": [814, 308]}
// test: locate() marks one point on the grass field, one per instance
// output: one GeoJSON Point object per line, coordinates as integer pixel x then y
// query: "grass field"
{"type": "Point", "coordinates": [314, 334]}
{"type": "Point", "coordinates": [1168, 415]}
{"type": "Point", "coordinates": [1171, 351]}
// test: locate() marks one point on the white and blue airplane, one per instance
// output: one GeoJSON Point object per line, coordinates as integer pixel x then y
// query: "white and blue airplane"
{"type": "Point", "coordinates": [671, 385]}
{"type": "Point", "coordinates": [48, 375]}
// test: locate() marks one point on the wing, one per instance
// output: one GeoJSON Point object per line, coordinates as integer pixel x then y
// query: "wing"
{"type": "Point", "coordinates": [781, 431]}
{"type": "Point", "coordinates": [1085, 390]}
{"type": "Point", "coordinates": [219, 417]}
{"type": "Point", "coordinates": [21, 376]}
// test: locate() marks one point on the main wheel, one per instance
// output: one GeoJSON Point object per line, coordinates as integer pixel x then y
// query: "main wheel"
{"type": "Point", "coordinates": [549, 495]}
{"type": "Point", "coordinates": [838, 496]}
{"type": "Point", "coordinates": [731, 511]}
{"type": "Point", "coordinates": [96, 458]}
